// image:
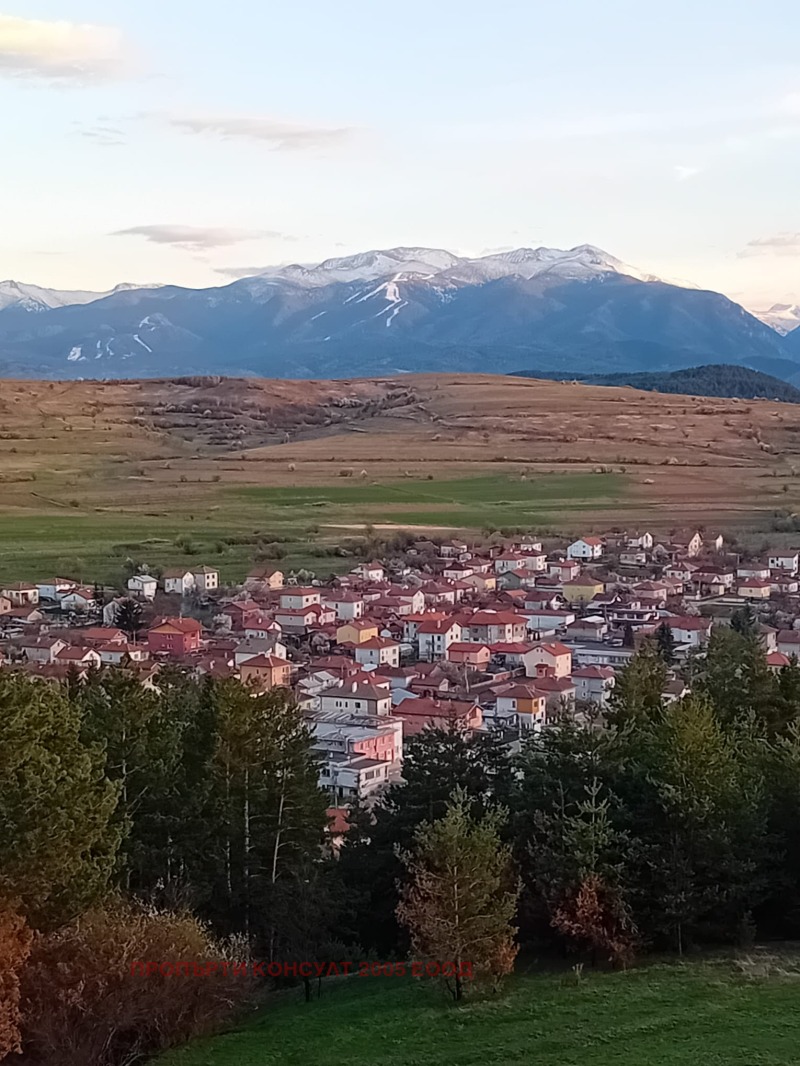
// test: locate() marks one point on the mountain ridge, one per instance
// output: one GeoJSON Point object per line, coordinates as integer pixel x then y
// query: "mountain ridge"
{"type": "Point", "coordinates": [400, 310]}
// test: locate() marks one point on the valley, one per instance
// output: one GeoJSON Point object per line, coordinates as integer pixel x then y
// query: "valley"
{"type": "Point", "coordinates": [94, 473]}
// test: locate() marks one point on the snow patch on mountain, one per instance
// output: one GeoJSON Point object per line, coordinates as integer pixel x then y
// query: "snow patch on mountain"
{"type": "Point", "coordinates": [783, 318]}
{"type": "Point", "coordinates": [34, 298]}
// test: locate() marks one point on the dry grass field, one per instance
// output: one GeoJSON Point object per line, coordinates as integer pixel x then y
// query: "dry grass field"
{"type": "Point", "coordinates": [94, 472]}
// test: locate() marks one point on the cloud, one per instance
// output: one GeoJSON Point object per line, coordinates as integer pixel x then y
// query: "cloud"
{"type": "Point", "coordinates": [105, 136]}
{"type": "Point", "coordinates": [685, 173]}
{"type": "Point", "coordinates": [194, 238]}
{"type": "Point", "coordinates": [64, 51]}
{"type": "Point", "coordinates": [779, 244]}
{"type": "Point", "coordinates": [239, 272]}
{"type": "Point", "coordinates": [276, 134]}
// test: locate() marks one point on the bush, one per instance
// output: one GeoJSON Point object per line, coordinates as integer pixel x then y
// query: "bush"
{"type": "Point", "coordinates": [81, 1005]}
{"type": "Point", "coordinates": [15, 939]}
{"type": "Point", "coordinates": [346, 471]}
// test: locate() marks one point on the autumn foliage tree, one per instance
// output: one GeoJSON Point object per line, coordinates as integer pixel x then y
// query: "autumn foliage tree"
{"type": "Point", "coordinates": [460, 899]}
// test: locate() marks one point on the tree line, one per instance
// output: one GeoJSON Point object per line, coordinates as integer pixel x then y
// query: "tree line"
{"type": "Point", "coordinates": [187, 822]}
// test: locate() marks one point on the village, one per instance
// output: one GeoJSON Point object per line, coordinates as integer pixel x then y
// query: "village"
{"type": "Point", "coordinates": [500, 636]}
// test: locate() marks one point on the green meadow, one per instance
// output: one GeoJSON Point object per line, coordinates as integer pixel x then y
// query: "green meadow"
{"type": "Point", "coordinates": [659, 1015]}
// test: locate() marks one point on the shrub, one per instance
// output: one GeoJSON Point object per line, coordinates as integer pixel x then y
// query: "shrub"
{"type": "Point", "coordinates": [15, 939]}
{"type": "Point", "coordinates": [346, 471]}
{"type": "Point", "coordinates": [81, 1005]}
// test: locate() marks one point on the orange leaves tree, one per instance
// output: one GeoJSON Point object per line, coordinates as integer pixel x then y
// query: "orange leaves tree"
{"type": "Point", "coordinates": [460, 898]}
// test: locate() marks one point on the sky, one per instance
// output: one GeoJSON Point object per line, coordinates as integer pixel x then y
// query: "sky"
{"type": "Point", "coordinates": [190, 143]}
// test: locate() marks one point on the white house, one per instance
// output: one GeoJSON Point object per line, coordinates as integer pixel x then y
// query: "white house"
{"type": "Point", "coordinates": [348, 605]}
{"type": "Point", "coordinates": [297, 599]}
{"type": "Point", "coordinates": [178, 581]}
{"type": "Point", "coordinates": [593, 684]}
{"type": "Point", "coordinates": [356, 699]}
{"type": "Point", "coordinates": [206, 579]}
{"type": "Point", "coordinates": [379, 651]}
{"type": "Point", "coordinates": [436, 636]}
{"type": "Point", "coordinates": [586, 548]}
{"type": "Point", "coordinates": [690, 630]}
{"type": "Point", "coordinates": [143, 585]}
{"type": "Point", "coordinates": [370, 571]}
{"type": "Point", "coordinates": [55, 587]}
{"type": "Point", "coordinates": [78, 600]}
{"type": "Point", "coordinates": [639, 540]}
{"type": "Point", "coordinates": [789, 561]}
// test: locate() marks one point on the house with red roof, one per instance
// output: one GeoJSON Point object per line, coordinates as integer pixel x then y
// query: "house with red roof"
{"type": "Point", "coordinates": [552, 659]}
{"type": "Point", "coordinates": [435, 636]}
{"type": "Point", "coordinates": [174, 637]}
{"type": "Point", "coordinates": [468, 654]}
{"type": "Point", "coordinates": [423, 712]}
{"type": "Point", "coordinates": [495, 627]}
{"type": "Point", "coordinates": [378, 651]}
{"type": "Point", "coordinates": [586, 549]}
{"type": "Point", "coordinates": [593, 684]}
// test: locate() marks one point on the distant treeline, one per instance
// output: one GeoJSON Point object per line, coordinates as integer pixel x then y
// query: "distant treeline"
{"type": "Point", "coordinates": [715, 380]}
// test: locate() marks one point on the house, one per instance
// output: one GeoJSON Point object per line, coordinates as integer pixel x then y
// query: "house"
{"type": "Point", "coordinates": [593, 627]}
{"type": "Point", "coordinates": [427, 712]}
{"type": "Point", "coordinates": [206, 579]}
{"type": "Point", "coordinates": [178, 581]}
{"type": "Point", "coordinates": [786, 560]}
{"type": "Point", "coordinates": [42, 649]}
{"type": "Point", "coordinates": [356, 632]}
{"type": "Point", "coordinates": [174, 636]}
{"type": "Point", "coordinates": [78, 657]}
{"type": "Point", "coordinates": [237, 614]}
{"type": "Point", "coordinates": [776, 661]}
{"type": "Point", "coordinates": [753, 588]}
{"type": "Point", "coordinates": [511, 656]}
{"type": "Point", "coordinates": [495, 627]}
{"type": "Point", "coordinates": [689, 542]}
{"type": "Point", "coordinates": [117, 652]}
{"type": "Point", "coordinates": [80, 600]}
{"type": "Point", "coordinates": [652, 591]}
{"type": "Point", "coordinates": [523, 705]}
{"type": "Point", "coordinates": [358, 754]}
{"type": "Point", "coordinates": [265, 577]}
{"type": "Point", "coordinates": [548, 620]}
{"type": "Point", "coordinates": [143, 585]}
{"type": "Point", "coordinates": [5, 604]}
{"type": "Point", "coordinates": [639, 540]}
{"type": "Point", "coordinates": [536, 562]}
{"type": "Point", "coordinates": [633, 557]}
{"type": "Point", "coordinates": [453, 549]}
{"type": "Point", "coordinates": [297, 599]}
{"type": "Point", "coordinates": [585, 549]}
{"type": "Point", "coordinates": [582, 589]}
{"type": "Point", "coordinates": [347, 604]}
{"type": "Point", "coordinates": [559, 694]}
{"type": "Point", "coordinates": [266, 671]}
{"type": "Point", "coordinates": [457, 571]}
{"type": "Point", "coordinates": [593, 684]}
{"type": "Point", "coordinates": [475, 655]}
{"type": "Point", "coordinates": [788, 642]}
{"type": "Point", "coordinates": [689, 629]}
{"type": "Point", "coordinates": [356, 698]}
{"type": "Point", "coordinates": [681, 570]}
{"type": "Point", "coordinates": [300, 620]}
{"type": "Point", "coordinates": [262, 627]}
{"type": "Point", "coordinates": [435, 637]}
{"type": "Point", "coordinates": [759, 570]}
{"type": "Point", "coordinates": [54, 588]}
{"type": "Point", "coordinates": [379, 651]}
{"type": "Point", "coordinates": [250, 647]}
{"type": "Point", "coordinates": [563, 570]}
{"type": "Point", "coordinates": [370, 571]}
{"type": "Point", "coordinates": [21, 594]}
{"type": "Point", "coordinates": [553, 660]}
{"type": "Point", "coordinates": [508, 561]}
{"type": "Point", "coordinates": [481, 582]}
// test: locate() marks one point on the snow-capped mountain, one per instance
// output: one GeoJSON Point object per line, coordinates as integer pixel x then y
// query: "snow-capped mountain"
{"type": "Point", "coordinates": [35, 298]}
{"type": "Point", "coordinates": [783, 318]}
{"type": "Point", "coordinates": [394, 310]}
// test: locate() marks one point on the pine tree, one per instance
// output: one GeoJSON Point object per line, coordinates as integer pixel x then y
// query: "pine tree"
{"type": "Point", "coordinates": [639, 688]}
{"type": "Point", "coordinates": [461, 895]}
{"type": "Point", "coordinates": [129, 617]}
{"type": "Point", "coordinates": [628, 637]}
{"type": "Point", "coordinates": [665, 644]}
{"type": "Point", "coordinates": [58, 842]}
{"type": "Point", "coordinates": [743, 621]}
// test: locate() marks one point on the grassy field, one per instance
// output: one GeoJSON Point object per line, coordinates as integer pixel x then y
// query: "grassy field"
{"type": "Point", "coordinates": [92, 473]}
{"type": "Point", "coordinates": [676, 1015]}
{"type": "Point", "coordinates": [228, 527]}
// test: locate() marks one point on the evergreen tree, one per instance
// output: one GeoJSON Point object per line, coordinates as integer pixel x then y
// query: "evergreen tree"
{"type": "Point", "coordinates": [665, 644]}
{"type": "Point", "coordinates": [58, 842]}
{"type": "Point", "coordinates": [638, 692]}
{"type": "Point", "coordinates": [743, 621]}
{"type": "Point", "coordinates": [628, 637]}
{"type": "Point", "coordinates": [461, 895]}
{"type": "Point", "coordinates": [129, 617]}
{"type": "Point", "coordinates": [735, 677]}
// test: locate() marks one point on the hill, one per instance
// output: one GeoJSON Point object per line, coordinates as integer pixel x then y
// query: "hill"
{"type": "Point", "coordinates": [713, 380]}
{"type": "Point", "coordinates": [390, 311]}
{"type": "Point", "coordinates": [661, 1015]}
{"type": "Point", "coordinates": [92, 473]}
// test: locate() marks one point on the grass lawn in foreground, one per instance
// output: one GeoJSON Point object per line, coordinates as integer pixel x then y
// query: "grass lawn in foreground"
{"type": "Point", "coordinates": [700, 1014]}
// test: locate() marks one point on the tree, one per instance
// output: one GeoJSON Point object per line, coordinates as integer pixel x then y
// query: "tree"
{"type": "Point", "coordinates": [129, 617]}
{"type": "Point", "coordinates": [628, 637]}
{"type": "Point", "coordinates": [665, 644]}
{"type": "Point", "coordinates": [461, 895]}
{"type": "Point", "coordinates": [639, 689]}
{"type": "Point", "coordinates": [58, 843]}
{"type": "Point", "coordinates": [743, 621]}
{"type": "Point", "coordinates": [735, 677]}
{"type": "Point", "coordinates": [15, 943]}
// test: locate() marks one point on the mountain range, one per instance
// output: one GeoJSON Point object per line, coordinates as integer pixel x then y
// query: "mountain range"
{"type": "Point", "coordinates": [393, 311]}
